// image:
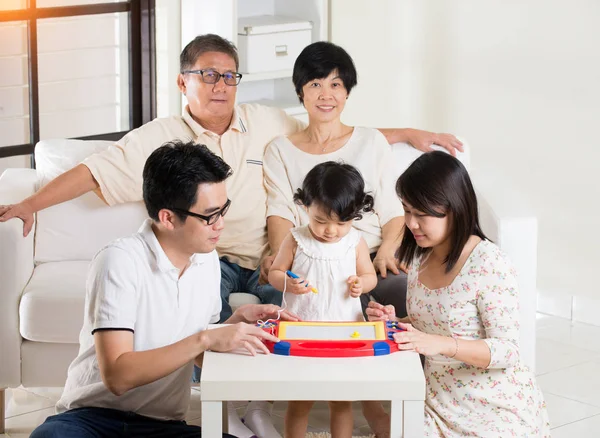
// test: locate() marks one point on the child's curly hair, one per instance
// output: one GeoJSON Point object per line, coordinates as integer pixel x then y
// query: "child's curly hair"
{"type": "Point", "coordinates": [337, 188]}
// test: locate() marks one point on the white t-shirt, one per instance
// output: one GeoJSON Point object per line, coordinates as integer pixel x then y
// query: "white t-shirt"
{"type": "Point", "coordinates": [132, 285]}
{"type": "Point", "coordinates": [285, 167]}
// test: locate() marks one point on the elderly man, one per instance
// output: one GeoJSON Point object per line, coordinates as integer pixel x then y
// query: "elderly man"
{"type": "Point", "coordinates": [237, 133]}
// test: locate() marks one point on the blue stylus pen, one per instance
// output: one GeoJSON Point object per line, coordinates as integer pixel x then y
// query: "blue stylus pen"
{"type": "Point", "coordinates": [292, 275]}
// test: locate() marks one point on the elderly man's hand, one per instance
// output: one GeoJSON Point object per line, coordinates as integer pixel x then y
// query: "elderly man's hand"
{"type": "Point", "coordinates": [265, 265]}
{"type": "Point", "coordinates": [20, 211]}
{"type": "Point", "coordinates": [423, 140]}
{"type": "Point", "coordinates": [254, 312]}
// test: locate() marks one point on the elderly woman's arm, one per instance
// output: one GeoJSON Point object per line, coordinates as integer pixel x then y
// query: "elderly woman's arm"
{"type": "Point", "coordinates": [422, 140]}
{"type": "Point", "coordinates": [281, 210]}
{"type": "Point", "coordinates": [388, 207]}
{"type": "Point", "coordinates": [391, 237]}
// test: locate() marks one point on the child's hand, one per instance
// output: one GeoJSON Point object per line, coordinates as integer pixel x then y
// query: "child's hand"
{"type": "Point", "coordinates": [355, 286]}
{"type": "Point", "coordinates": [298, 286]}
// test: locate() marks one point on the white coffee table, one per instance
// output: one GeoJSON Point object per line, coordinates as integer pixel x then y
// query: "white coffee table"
{"type": "Point", "coordinates": [397, 377]}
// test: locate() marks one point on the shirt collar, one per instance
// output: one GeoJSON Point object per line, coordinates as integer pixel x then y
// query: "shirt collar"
{"type": "Point", "coordinates": [237, 122]}
{"type": "Point", "coordinates": [162, 261]}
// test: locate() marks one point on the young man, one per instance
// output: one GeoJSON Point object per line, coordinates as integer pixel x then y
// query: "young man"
{"type": "Point", "coordinates": [149, 300]}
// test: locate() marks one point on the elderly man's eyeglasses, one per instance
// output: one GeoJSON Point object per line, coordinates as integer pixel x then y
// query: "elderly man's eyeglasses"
{"type": "Point", "coordinates": [210, 219]}
{"type": "Point", "coordinates": [209, 76]}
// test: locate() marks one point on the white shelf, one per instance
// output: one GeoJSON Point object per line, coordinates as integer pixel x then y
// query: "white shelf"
{"type": "Point", "coordinates": [252, 77]}
{"type": "Point", "coordinates": [292, 108]}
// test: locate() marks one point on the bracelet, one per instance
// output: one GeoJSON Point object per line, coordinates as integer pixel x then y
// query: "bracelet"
{"type": "Point", "coordinates": [455, 350]}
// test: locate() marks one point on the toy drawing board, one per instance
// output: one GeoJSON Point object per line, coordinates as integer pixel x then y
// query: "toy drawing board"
{"type": "Point", "coordinates": [332, 339]}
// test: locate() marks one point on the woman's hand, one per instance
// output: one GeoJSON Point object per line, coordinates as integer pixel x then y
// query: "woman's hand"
{"type": "Point", "coordinates": [355, 286]}
{"type": "Point", "coordinates": [379, 312]}
{"type": "Point", "coordinates": [423, 140]}
{"type": "Point", "coordinates": [385, 259]}
{"type": "Point", "coordinates": [423, 343]}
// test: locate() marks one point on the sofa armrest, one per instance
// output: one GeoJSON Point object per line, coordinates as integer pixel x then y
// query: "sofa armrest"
{"type": "Point", "coordinates": [16, 267]}
{"type": "Point", "coordinates": [509, 221]}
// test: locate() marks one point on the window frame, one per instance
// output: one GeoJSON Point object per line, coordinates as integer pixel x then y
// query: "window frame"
{"type": "Point", "coordinates": [142, 63]}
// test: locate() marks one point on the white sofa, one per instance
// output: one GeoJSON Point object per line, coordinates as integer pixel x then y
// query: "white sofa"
{"type": "Point", "coordinates": [42, 285]}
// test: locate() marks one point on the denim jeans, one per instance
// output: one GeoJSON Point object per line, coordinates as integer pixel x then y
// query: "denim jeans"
{"type": "Point", "coordinates": [234, 278]}
{"type": "Point", "coordinates": [109, 423]}
{"type": "Point", "coordinates": [237, 279]}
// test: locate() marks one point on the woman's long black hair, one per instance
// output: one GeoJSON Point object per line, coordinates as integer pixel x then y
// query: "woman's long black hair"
{"type": "Point", "coordinates": [438, 185]}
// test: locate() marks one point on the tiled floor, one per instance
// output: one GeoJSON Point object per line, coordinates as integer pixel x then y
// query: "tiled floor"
{"type": "Point", "coordinates": [568, 370]}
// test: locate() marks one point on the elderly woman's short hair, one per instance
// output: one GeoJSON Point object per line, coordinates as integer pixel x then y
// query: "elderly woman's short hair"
{"type": "Point", "coordinates": [319, 60]}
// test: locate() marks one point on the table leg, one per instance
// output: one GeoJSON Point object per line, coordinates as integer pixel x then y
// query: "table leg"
{"type": "Point", "coordinates": [212, 418]}
{"type": "Point", "coordinates": [414, 420]}
{"type": "Point", "coordinates": [396, 419]}
{"type": "Point", "coordinates": [225, 417]}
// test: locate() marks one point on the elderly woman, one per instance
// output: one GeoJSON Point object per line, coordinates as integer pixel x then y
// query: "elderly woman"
{"type": "Point", "coordinates": [324, 74]}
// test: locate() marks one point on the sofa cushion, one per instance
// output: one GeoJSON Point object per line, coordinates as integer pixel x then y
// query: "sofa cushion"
{"type": "Point", "coordinates": [52, 304]}
{"type": "Point", "coordinates": [77, 229]}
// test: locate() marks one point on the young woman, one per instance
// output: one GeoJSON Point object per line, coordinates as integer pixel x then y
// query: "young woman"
{"type": "Point", "coordinates": [463, 307]}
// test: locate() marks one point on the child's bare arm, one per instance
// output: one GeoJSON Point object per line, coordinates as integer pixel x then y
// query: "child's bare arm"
{"type": "Point", "coordinates": [282, 263]}
{"type": "Point", "coordinates": [366, 277]}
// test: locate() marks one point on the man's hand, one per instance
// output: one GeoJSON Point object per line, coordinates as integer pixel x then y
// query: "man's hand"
{"type": "Point", "coordinates": [379, 312]}
{"type": "Point", "coordinates": [384, 260]}
{"type": "Point", "coordinates": [251, 313]}
{"type": "Point", "coordinates": [18, 210]}
{"type": "Point", "coordinates": [423, 140]}
{"type": "Point", "coordinates": [240, 335]}
{"type": "Point", "coordinates": [265, 265]}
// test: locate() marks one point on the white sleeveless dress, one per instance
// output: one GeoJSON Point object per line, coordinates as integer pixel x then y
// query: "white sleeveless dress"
{"type": "Point", "coordinates": [327, 267]}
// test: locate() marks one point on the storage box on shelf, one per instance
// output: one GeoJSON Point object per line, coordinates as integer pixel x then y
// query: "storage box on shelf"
{"type": "Point", "coordinates": [271, 42]}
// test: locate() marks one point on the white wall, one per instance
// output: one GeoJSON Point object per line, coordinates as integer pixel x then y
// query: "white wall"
{"type": "Point", "coordinates": [520, 80]}
{"type": "Point", "coordinates": [168, 47]}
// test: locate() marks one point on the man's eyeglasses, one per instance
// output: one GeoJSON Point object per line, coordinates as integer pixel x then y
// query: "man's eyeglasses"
{"type": "Point", "coordinates": [210, 219]}
{"type": "Point", "coordinates": [210, 76]}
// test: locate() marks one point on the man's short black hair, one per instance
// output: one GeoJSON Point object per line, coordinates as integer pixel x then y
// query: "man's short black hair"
{"type": "Point", "coordinates": [206, 43]}
{"type": "Point", "coordinates": [318, 60]}
{"type": "Point", "coordinates": [173, 172]}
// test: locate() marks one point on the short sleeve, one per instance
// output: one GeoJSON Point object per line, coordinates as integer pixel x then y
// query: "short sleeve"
{"type": "Point", "coordinates": [112, 290]}
{"type": "Point", "coordinates": [498, 307]}
{"type": "Point", "coordinates": [118, 170]}
{"type": "Point", "coordinates": [217, 306]}
{"type": "Point", "coordinates": [280, 195]}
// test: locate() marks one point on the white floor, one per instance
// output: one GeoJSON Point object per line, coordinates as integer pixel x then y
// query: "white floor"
{"type": "Point", "coordinates": [568, 370]}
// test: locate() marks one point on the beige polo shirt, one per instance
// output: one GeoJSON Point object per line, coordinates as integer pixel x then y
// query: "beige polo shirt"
{"type": "Point", "coordinates": [118, 170]}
